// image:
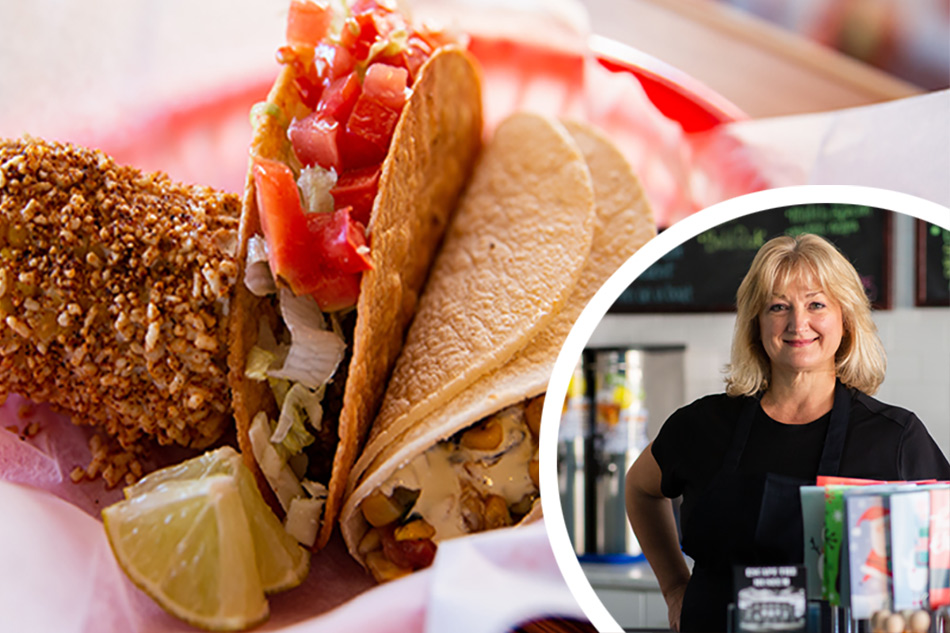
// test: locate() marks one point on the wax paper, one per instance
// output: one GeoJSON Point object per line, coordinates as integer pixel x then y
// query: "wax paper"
{"type": "Point", "coordinates": [901, 145]}
{"type": "Point", "coordinates": [57, 572]}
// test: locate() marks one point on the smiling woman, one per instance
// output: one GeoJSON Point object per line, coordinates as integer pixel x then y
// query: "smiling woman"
{"type": "Point", "coordinates": [805, 358]}
{"type": "Point", "coordinates": [803, 302]}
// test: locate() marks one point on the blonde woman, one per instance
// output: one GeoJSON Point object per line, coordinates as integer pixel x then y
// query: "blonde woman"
{"type": "Point", "coordinates": [806, 359]}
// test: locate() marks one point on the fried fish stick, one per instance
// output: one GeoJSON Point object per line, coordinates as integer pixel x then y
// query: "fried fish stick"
{"type": "Point", "coordinates": [114, 294]}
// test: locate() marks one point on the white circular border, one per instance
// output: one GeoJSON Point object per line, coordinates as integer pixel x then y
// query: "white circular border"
{"type": "Point", "coordinates": [649, 254]}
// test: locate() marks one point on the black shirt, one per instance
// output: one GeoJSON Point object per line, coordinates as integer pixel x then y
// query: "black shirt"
{"type": "Point", "coordinates": [793, 450]}
{"type": "Point", "coordinates": [883, 442]}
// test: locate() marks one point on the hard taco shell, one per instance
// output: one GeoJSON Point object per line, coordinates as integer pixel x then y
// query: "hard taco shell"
{"type": "Point", "coordinates": [433, 149]}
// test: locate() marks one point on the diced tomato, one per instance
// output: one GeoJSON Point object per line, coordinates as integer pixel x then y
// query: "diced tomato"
{"type": "Point", "coordinates": [373, 122]}
{"type": "Point", "coordinates": [354, 106]}
{"type": "Point", "coordinates": [411, 553]}
{"type": "Point", "coordinates": [358, 34]}
{"type": "Point", "coordinates": [341, 240]}
{"type": "Point", "coordinates": [310, 89]}
{"type": "Point", "coordinates": [334, 60]}
{"type": "Point", "coordinates": [386, 84]}
{"type": "Point", "coordinates": [283, 222]}
{"type": "Point", "coordinates": [387, 21]}
{"type": "Point", "coordinates": [366, 26]}
{"type": "Point", "coordinates": [330, 62]}
{"type": "Point", "coordinates": [419, 553]}
{"type": "Point", "coordinates": [336, 290]}
{"type": "Point", "coordinates": [418, 49]}
{"type": "Point", "coordinates": [321, 257]}
{"type": "Point", "coordinates": [307, 22]}
{"type": "Point", "coordinates": [396, 59]}
{"type": "Point", "coordinates": [315, 140]}
{"type": "Point", "coordinates": [356, 188]}
{"type": "Point", "coordinates": [318, 137]}
{"type": "Point", "coordinates": [356, 152]}
{"type": "Point", "coordinates": [340, 96]}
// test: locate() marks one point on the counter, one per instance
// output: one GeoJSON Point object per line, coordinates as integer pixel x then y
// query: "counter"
{"type": "Point", "coordinates": [630, 593]}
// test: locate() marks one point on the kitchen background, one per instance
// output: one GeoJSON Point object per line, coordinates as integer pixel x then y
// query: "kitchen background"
{"type": "Point", "coordinates": [658, 349]}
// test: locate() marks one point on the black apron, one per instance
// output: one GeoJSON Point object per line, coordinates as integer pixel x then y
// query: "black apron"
{"type": "Point", "coordinates": [748, 520]}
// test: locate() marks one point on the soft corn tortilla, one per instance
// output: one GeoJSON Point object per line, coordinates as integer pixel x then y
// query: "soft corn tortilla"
{"type": "Point", "coordinates": [433, 150]}
{"type": "Point", "coordinates": [623, 223]}
{"type": "Point", "coordinates": [501, 276]}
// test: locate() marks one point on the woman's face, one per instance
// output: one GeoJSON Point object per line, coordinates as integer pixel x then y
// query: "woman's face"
{"type": "Point", "coordinates": [801, 328]}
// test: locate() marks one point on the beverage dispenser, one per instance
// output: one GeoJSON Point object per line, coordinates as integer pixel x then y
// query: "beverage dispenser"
{"type": "Point", "coordinates": [619, 434]}
{"type": "Point", "coordinates": [617, 399]}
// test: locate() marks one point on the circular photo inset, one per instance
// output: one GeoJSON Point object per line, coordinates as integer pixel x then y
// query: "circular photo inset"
{"type": "Point", "coordinates": [745, 409]}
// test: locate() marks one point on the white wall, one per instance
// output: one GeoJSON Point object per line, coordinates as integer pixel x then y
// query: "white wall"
{"type": "Point", "coordinates": [917, 341]}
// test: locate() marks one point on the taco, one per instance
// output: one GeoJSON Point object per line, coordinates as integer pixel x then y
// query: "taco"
{"type": "Point", "coordinates": [357, 159]}
{"type": "Point", "coordinates": [469, 461]}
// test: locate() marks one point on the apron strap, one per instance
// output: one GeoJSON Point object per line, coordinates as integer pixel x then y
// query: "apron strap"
{"type": "Point", "coordinates": [837, 430]}
{"type": "Point", "coordinates": [743, 428]}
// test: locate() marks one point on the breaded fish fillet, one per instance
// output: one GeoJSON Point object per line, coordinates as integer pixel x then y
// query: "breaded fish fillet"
{"type": "Point", "coordinates": [114, 293]}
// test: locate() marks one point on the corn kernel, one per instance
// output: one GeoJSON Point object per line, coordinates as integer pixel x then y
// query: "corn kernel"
{"type": "Point", "coordinates": [413, 530]}
{"type": "Point", "coordinates": [370, 542]}
{"type": "Point", "coordinates": [496, 512]}
{"type": "Point", "coordinates": [484, 437]}
{"type": "Point", "coordinates": [379, 510]}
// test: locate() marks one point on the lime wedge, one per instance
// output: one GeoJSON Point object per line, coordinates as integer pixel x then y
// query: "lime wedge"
{"type": "Point", "coordinates": [283, 563]}
{"type": "Point", "coordinates": [185, 534]}
{"type": "Point", "coordinates": [188, 545]}
{"type": "Point", "coordinates": [221, 461]}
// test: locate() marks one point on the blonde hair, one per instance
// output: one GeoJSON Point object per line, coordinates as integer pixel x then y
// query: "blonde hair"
{"type": "Point", "coordinates": [860, 361]}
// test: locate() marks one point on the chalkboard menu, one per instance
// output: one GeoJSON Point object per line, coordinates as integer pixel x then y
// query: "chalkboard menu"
{"type": "Point", "coordinates": [933, 265]}
{"type": "Point", "coordinates": [703, 274]}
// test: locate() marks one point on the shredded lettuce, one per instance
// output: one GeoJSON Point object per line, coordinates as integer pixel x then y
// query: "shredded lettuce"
{"type": "Point", "coordinates": [258, 367]}
{"type": "Point", "coordinates": [395, 43]}
{"type": "Point", "coordinates": [303, 519]}
{"type": "Point", "coordinates": [300, 313]}
{"type": "Point", "coordinates": [279, 387]}
{"type": "Point", "coordinates": [297, 373]}
{"type": "Point", "coordinates": [272, 460]}
{"type": "Point", "coordinates": [300, 406]}
{"type": "Point", "coordinates": [315, 352]}
{"type": "Point", "coordinates": [257, 273]}
{"type": "Point", "coordinates": [314, 488]}
{"type": "Point", "coordinates": [259, 361]}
